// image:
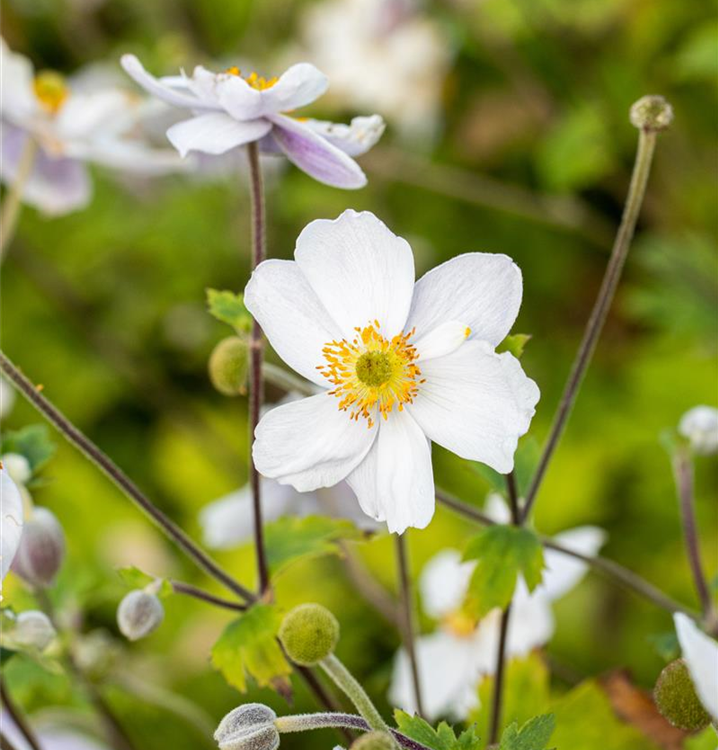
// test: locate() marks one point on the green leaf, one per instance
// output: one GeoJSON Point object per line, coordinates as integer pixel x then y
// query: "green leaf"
{"type": "Point", "coordinates": [32, 441]}
{"type": "Point", "coordinates": [441, 738]}
{"type": "Point", "coordinates": [705, 740]}
{"type": "Point", "coordinates": [533, 735]}
{"type": "Point", "coordinates": [135, 578]}
{"type": "Point", "coordinates": [248, 646]}
{"type": "Point", "coordinates": [514, 344]}
{"type": "Point", "coordinates": [290, 538]}
{"type": "Point", "coordinates": [502, 553]}
{"type": "Point", "coordinates": [229, 308]}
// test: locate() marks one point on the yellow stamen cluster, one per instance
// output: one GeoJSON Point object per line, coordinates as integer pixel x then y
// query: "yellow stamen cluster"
{"type": "Point", "coordinates": [460, 623]}
{"type": "Point", "coordinates": [51, 90]}
{"type": "Point", "coordinates": [255, 81]}
{"type": "Point", "coordinates": [372, 373]}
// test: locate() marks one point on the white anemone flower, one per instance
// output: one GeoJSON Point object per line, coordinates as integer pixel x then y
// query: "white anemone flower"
{"type": "Point", "coordinates": [69, 127]}
{"type": "Point", "coordinates": [700, 426]}
{"type": "Point", "coordinates": [11, 522]}
{"type": "Point", "coordinates": [386, 55]}
{"type": "Point", "coordinates": [700, 653]}
{"type": "Point", "coordinates": [401, 365]}
{"type": "Point", "coordinates": [231, 110]}
{"type": "Point", "coordinates": [453, 660]}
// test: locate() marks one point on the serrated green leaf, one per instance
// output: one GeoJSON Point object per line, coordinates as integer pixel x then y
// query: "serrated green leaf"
{"type": "Point", "coordinates": [533, 735]}
{"type": "Point", "coordinates": [229, 308]}
{"type": "Point", "coordinates": [514, 344]}
{"type": "Point", "coordinates": [290, 538]}
{"type": "Point", "coordinates": [441, 738]}
{"type": "Point", "coordinates": [32, 441]}
{"type": "Point", "coordinates": [502, 552]}
{"type": "Point", "coordinates": [248, 646]}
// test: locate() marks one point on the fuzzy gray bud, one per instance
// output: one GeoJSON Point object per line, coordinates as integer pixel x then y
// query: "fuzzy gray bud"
{"type": "Point", "coordinates": [33, 629]}
{"type": "Point", "coordinates": [42, 549]}
{"type": "Point", "coordinates": [139, 614]}
{"type": "Point", "coordinates": [374, 741]}
{"type": "Point", "coordinates": [248, 727]}
{"type": "Point", "coordinates": [651, 113]}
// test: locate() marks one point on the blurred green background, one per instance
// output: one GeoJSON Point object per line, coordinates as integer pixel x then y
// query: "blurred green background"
{"type": "Point", "coordinates": [530, 155]}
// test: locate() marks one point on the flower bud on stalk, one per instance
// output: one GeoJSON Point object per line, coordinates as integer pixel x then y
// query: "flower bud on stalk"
{"type": "Point", "coordinates": [41, 550]}
{"type": "Point", "coordinates": [700, 426]}
{"type": "Point", "coordinates": [33, 629]}
{"type": "Point", "coordinates": [229, 366]}
{"type": "Point", "coordinates": [309, 633]}
{"type": "Point", "coordinates": [374, 741]}
{"type": "Point", "coordinates": [651, 113]}
{"type": "Point", "coordinates": [248, 727]}
{"type": "Point", "coordinates": [677, 700]}
{"type": "Point", "coordinates": [139, 614]}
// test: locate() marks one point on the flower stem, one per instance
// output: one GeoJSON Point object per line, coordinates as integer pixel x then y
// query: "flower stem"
{"type": "Point", "coordinates": [19, 720]}
{"type": "Point", "coordinates": [683, 472]}
{"type": "Point", "coordinates": [256, 386]}
{"type": "Point", "coordinates": [10, 212]}
{"type": "Point", "coordinates": [103, 462]}
{"type": "Point", "coordinates": [636, 192]}
{"type": "Point", "coordinates": [346, 682]}
{"type": "Point", "coordinates": [407, 611]}
{"type": "Point", "coordinates": [179, 587]}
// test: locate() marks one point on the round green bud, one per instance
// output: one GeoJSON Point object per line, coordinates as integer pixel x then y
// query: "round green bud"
{"type": "Point", "coordinates": [229, 366]}
{"type": "Point", "coordinates": [309, 634]}
{"type": "Point", "coordinates": [652, 113]}
{"type": "Point", "coordinates": [374, 741]}
{"type": "Point", "coordinates": [676, 698]}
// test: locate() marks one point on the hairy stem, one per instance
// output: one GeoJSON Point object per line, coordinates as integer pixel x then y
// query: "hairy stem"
{"type": "Point", "coordinates": [17, 716]}
{"type": "Point", "coordinates": [407, 611]}
{"type": "Point", "coordinates": [103, 462]}
{"type": "Point", "coordinates": [632, 208]}
{"type": "Point", "coordinates": [10, 211]}
{"type": "Point", "coordinates": [256, 385]}
{"type": "Point", "coordinates": [179, 587]}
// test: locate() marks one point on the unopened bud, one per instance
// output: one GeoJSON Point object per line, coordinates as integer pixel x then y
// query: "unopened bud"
{"type": "Point", "coordinates": [248, 727]}
{"type": "Point", "coordinates": [33, 629]}
{"type": "Point", "coordinates": [139, 614]}
{"type": "Point", "coordinates": [42, 549]}
{"type": "Point", "coordinates": [676, 698]}
{"type": "Point", "coordinates": [97, 653]}
{"type": "Point", "coordinates": [700, 426]}
{"type": "Point", "coordinates": [18, 467]}
{"type": "Point", "coordinates": [374, 741]}
{"type": "Point", "coordinates": [652, 113]}
{"type": "Point", "coordinates": [309, 633]}
{"type": "Point", "coordinates": [229, 365]}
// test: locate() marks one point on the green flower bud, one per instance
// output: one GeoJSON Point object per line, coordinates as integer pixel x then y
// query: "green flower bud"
{"type": "Point", "coordinates": [248, 727]}
{"type": "Point", "coordinates": [33, 629]}
{"type": "Point", "coordinates": [676, 698]}
{"type": "Point", "coordinates": [309, 634]}
{"type": "Point", "coordinates": [374, 741]}
{"type": "Point", "coordinates": [229, 365]}
{"type": "Point", "coordinates": [139, 614]}
{"type": "Point", "coordinates": [41, 550]}
{"type": "Point", "coordinates": [651, 113]}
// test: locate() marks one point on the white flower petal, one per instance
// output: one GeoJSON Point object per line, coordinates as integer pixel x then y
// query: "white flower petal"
{"type": "Point", "coordinates": [447, 676]}
{"type": "Point", "coordinates": [7, 398]}
{"type": "Point", "coordinates": [131, 156]}
{"type": "Point", "coordinates": [442, 340]}
{"type": "Point", "coordinates": [360, 271]}
{"type": "Point", "coordinates": [532, 622]}
{"type": "Point", "coordinates": [292, 317]}
{"type": "Point", "coordinates": [395, 483]}
{"type": "Point", "coordinates": [215, 133]}
{"type": "Point", "coordinates": [564, 572]}
{"type": "Point", "coordinates": [444, 582]}
{"type": "Point", "coordinates": [476, 403]}
{"type": "Point", "coordinates": [233, 93]}
{"type": "Point", "coordinates": [497, 509]}
{"type": "Point", "coordinates": [700, 653]}
{"type": "Point", "coordinates": [11, 522]}
{"type": "Point", "coordinates": [297, 86]}
{"type": "Point", "coordinates": [315, 155]}
{"type": "Point", "coordinates": [482, 290]}
{"type": "Point", "coordinates": [18, 102]}
{"type": "Point", "coordinates": [310, 443]}
{"type": "Point", "coordinates": [354, 139]}
{"type": "Point", "coordinates": [90, 115]}
{"type": "Point", "coordinates": [162, 89]}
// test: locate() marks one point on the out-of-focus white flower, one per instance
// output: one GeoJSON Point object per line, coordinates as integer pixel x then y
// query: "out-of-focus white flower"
{"type": "Point", "coordinates": [33, 629]}
{"type": "Point", "coordinates": [453, 660]}
{"type": "Point", "coordinates": [700, 426]}
{"type": "Point", "coordinates": [386, 55]}
{"type": "Point", "coordinates": [402, 364]}
{"type": "Point", "coordinates": [17, 466]}
{"type": "Point", "coordinates": [70, 128]}
{"type": "Point", "coordinates": [50, 735]}
{"type": "Point", "coordinates": [7, 398]}
{"type": "Point", "coordinates": [231, 110]}
{"type": "Point", "coordinates": [11, 522]}
{"type": "Point", "coordinates": [700, 653]}
{"type": "Point", "coordinates": [41, 550]}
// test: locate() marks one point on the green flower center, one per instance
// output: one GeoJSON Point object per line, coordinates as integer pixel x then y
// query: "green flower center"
{"type": "Point", "coordinates": [374, 368]}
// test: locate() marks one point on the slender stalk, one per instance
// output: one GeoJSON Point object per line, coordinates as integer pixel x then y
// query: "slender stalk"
{"type": "Point", "coordinates": [179, 587]}
{"type": "Point", "coordinates": [5, 743]}
{"type": "Point", "coordinates": [256, 385]}
{"type": "Point", "coordinates": [103, 462]}
{"type": "Point", "coordinates": [323, 696]}
{"type": "Point", "coordinates": [407, 611]}
{"type": "Point", "coordinates": [10, 211]}
{"type": "Point", "coordinates": [612, 570]}
{"type": "Point", "coordinates": [683, 472]}
{"type": "Point", "coordinates": [17, 716]}
{"type": "Point", "coordinates": [636, 192]}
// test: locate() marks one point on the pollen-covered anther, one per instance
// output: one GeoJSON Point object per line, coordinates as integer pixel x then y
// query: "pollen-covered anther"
{"type": "Point", "coordinates": [51, 90]}
{"type": "Point", "coordinates": [371, 373]}
{"type": "Point", "coordinates": [253, 79]}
